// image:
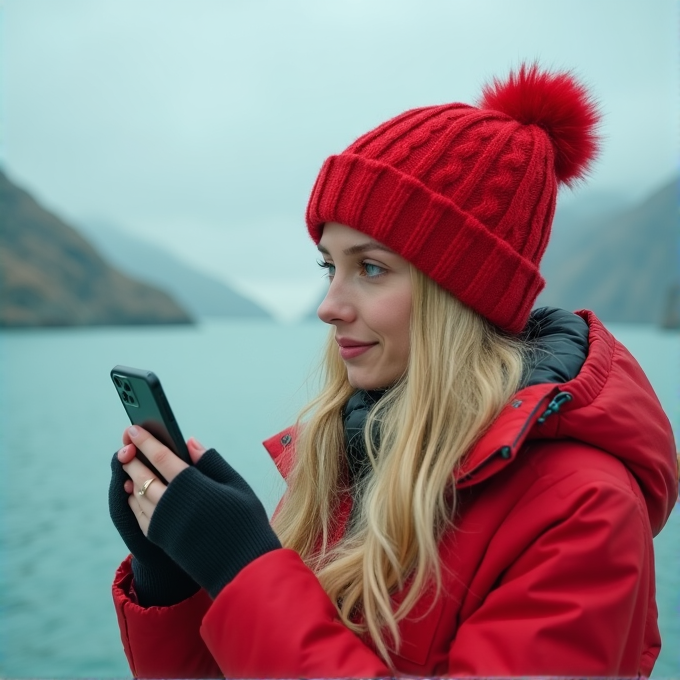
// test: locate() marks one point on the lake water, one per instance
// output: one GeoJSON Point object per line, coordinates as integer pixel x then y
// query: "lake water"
{"type": "Point", "coordinates": [231, 384]}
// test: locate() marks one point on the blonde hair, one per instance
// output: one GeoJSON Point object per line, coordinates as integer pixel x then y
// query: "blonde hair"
{"type": "Point", "coordinates": [462, 371]}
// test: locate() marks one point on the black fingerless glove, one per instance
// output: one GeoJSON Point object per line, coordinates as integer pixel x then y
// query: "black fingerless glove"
{"type": "Point", "coordinates": [158, 581]}
{"type": "Point", "coordinates": [211, 523]}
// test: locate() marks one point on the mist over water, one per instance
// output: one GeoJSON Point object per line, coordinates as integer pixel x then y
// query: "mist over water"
{"type": "Point", "coordinates": [231, 384]}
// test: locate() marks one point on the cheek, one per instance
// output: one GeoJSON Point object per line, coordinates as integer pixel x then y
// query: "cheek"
{"type": "Point", "coordinates": [404, 340]}
{"type": "Point", "coordinates": [399, 328]}
{"type": "Point", "coordinates": [406, 328]}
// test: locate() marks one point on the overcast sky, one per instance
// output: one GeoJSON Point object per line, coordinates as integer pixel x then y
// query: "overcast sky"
{"type": "Point", "coordinates": [201, 125]}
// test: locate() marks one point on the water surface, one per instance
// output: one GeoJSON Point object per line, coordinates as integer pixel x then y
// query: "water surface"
{"type": "Point", "coordinates": [231, 384]}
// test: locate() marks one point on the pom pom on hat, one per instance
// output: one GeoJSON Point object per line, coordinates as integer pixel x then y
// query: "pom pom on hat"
{"type": "Point", "coordinates": [560, 105]}
{"type": "Point", "coordinates": [467, 194]}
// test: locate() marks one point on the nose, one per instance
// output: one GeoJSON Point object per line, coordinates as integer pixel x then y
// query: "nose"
{"type": "Point", "coordinates": [337, 306]}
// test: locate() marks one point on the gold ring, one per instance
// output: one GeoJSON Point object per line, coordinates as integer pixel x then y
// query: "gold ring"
{"type": "Point", "coordinates": [145, 486]}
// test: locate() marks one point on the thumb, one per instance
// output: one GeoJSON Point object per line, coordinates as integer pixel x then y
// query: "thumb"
{"type": "Point", "coordinates": [196, 449]}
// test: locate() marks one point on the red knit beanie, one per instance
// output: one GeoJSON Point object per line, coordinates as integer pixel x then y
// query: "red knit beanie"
{"type": "Point", "coordinates": [467, 194]}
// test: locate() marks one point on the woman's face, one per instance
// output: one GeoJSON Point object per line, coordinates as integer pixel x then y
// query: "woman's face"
{"type": "Point", "coordinates": [369, 303]}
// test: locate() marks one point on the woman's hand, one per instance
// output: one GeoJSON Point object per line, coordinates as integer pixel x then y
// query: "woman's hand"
{"type": "Point", "coordinates": [144, 487]}
{"type": "Point", "coordinates": [207, 518]}
{"type": "Point", "coordinates": [158, 580]}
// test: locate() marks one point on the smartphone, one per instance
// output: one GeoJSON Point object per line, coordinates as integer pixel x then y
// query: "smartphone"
{"type": "Point", "coordinates": [145, 403]}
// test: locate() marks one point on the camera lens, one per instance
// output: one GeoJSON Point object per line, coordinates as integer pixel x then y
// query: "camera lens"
{"type": "Point", "coordinates": [130, 398]}
{"type": "Point", "coordinates": [126, 386]}
{"type": "Point", "coordinates": [125, 396]}
{"type": "Point", "coordinates": [116, 379]}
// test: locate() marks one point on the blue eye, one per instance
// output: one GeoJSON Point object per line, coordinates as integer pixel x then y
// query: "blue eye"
{"type": "Point", "coordinates": [372, 270]}
{"type": "Point", "coordinates": [367, 269]}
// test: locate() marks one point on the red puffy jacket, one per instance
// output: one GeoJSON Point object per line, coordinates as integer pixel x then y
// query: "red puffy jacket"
{"type": "Point", "coordinates": [550, 570]}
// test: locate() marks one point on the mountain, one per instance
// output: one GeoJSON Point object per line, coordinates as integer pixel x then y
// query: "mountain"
{"type": "Point", "coordinates": [202, 295]}
{"type": "Point", "coordinates": [624, 266]}
{"type": "Point", "coordinates": [51, 276]}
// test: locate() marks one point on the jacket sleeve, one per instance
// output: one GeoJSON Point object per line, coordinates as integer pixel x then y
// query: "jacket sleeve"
{"type": "Point", "coordinates": [274, 620]}
{"type": "Point", "coordinates": [565, 605]}
{"type": "Point", "coordinates": [162, 642]}
{"type": "Point", "coordinates": [576, 597]}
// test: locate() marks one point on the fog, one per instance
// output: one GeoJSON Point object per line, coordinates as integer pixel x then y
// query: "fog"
{"type": "Point", "coordinates": [201, 125]}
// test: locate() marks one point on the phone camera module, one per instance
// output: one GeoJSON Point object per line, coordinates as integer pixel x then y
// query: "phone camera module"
{"type": "Point", "coordinates": [124, 387]}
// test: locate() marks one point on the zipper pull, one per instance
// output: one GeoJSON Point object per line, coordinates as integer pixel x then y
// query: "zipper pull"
{"type": "Point", "coordinates": [554, 405]}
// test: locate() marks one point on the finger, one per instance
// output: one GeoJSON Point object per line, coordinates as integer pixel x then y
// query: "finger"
{"type": "Point", "coordinates": [159, 455]}
{"type": "Point", "coordinates": [127, 453]}
{"type": "Point", "coordinates": [196, 449]}
{"type": "Point", "coordinates": [128, 486]}
{"type": "Point", "coordinates": [137, 470]}
{"type": "Point", "coordinates": [150, 491]}
{"type": "Point", "coordinates": [145, 504]}
{"type": "Point", "coordinates": [142, 518]}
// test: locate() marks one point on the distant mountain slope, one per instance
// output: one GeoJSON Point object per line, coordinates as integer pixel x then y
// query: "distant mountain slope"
{"type": "Point", "coordinates": [51, 276]}
{"type": "Point", "coordinates": [624, 267]}
{"type": "Point", "coordinates": [202, 295]}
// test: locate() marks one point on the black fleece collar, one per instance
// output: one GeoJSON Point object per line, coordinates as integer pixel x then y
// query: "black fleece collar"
{"type": "Point", "coordinates": [561, 346]}
{"type": "Point", "coordinates": [354, 415]}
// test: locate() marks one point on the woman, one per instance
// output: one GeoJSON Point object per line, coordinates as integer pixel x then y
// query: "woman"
{"type": "Point", "coordinates": [474, 491]}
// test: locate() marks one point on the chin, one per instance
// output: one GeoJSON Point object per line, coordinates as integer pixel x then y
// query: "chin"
{"type": "Point", "coordinates": [367, 382]}
{"type": "Point", "coordinates": [359, 382]}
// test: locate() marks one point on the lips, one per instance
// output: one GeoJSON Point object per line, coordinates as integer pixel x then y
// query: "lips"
{"type": "Point", "coordinates": [349, 349]}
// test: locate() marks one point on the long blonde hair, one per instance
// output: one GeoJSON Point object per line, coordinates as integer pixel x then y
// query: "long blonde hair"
{"type": "Point", "coordinates": [462, 371]}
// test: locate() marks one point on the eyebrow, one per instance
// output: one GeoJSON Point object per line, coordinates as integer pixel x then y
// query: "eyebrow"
{"type": "Point", "coordinates": [359, 248]}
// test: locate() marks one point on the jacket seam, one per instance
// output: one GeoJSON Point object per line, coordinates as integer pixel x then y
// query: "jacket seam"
{"type": "Point", "coordinates": [607, 372]}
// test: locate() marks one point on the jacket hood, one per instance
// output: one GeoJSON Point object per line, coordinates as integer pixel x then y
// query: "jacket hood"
{"type": "Point", "coordinates": [586, 387]}
{"type": "Point", "coordinates": [608, 403]}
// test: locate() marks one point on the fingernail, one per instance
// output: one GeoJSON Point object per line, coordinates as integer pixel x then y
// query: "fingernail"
{"type": "Point", "coordinates": [198, 445]}
{"type": "Point", "coordinates": [133, 431]}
